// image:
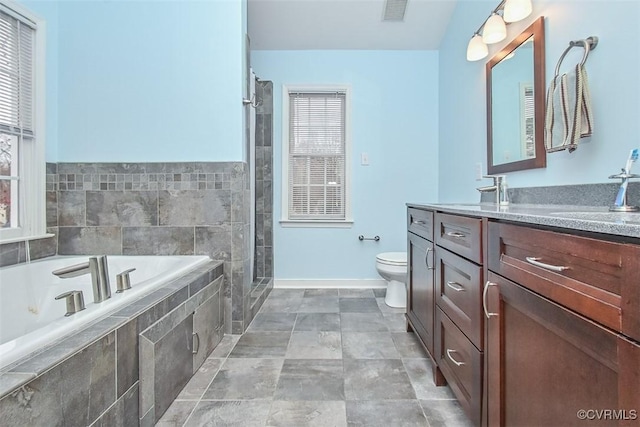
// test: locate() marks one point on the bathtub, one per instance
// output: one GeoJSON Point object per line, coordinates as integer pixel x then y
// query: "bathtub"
{"type": "Point", "coordinates": [31, 317]}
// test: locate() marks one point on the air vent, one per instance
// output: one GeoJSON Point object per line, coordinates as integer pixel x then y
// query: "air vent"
{"type": "Point", "coordinates": [394, 10]}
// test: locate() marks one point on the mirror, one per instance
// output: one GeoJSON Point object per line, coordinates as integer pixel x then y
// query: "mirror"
{"type": "Point", "coordinates": [516, 104]}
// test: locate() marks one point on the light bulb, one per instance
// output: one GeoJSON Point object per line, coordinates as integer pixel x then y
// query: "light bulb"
{"type": "Point", "coordinates": [477, 49]}
{"type": "Point", "coordinates": [494, 30]}
{"type": "Point", "coordinates": [516, 10]}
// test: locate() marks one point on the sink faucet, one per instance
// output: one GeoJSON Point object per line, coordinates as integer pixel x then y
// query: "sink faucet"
{"type": "Point", "coordinates": [499, 186]}
{"type": "Point", "coordinates": [97, 267]}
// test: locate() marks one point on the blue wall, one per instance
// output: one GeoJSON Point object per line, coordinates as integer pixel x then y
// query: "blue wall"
{"type": "Point", "coordinates": [144, 80]}
{"type": "Point", "coordinates": [395, 121]}
{"type": "Point", "coordinates": [613, 78]}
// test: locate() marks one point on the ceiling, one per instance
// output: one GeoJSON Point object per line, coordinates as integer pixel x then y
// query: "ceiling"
{"type": "Point", "coordinates": [345, 24]}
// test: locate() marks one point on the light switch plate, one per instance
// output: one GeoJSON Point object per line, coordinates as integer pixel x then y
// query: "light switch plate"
{"type": "Point", "coordinates": [364, 159]}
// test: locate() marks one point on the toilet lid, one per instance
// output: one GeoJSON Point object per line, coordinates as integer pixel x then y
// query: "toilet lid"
{"type": "Point", "coordinates": [392, 258]}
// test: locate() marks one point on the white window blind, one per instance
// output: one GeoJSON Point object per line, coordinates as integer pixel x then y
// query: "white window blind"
{"type": "Point", "coordinates": [16, 75]}
{"type": "Point", "coordinates": [21, 156]}
{"type": "Point", "coordinates": [317, 155]}
{"type": "Point", "coordinates": [527, 119]}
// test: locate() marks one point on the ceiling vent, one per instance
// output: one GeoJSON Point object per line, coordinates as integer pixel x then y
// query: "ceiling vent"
{"type": "Point", "coordinates": [394, 10]}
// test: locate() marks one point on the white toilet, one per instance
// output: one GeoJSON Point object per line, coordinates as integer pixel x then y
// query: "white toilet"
{"type": "Point", "coordinates": [392, 266]}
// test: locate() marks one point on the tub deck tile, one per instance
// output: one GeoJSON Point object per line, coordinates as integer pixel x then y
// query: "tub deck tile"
{"type": "Point", "coordinates": [13, 380]}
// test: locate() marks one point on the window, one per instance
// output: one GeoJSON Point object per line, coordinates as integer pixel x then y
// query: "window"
{"type": "Point", "coordinates": [316, 156]}
{"type": "Point", "coordinates": [22, 197]}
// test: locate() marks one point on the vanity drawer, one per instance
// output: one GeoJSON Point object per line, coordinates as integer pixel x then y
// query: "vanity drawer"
{"type": "Point", "coordinates": [458, 293]}
{"type": "Point", "coordinates": [420, 222]}
{"type": "Point", "coordinates": [460, 234]}
{"type": "Point", "coordinates": [598, 279]}
{"type": "Point", "coordinates": [461, 364]}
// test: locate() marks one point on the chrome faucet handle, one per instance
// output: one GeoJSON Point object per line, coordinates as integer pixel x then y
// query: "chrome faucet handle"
{"type": "Point", "coordinates": [123, 281]}
{"type": "Point", "coordinates": [74, 300]}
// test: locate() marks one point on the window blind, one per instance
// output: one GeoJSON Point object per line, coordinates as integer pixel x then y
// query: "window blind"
{"type": "Point", "coordinates": [317, 145]}
{"type": "Point", "coordinates": [16, 75]}
{"type": "Point", "coordinates": [529, 118]}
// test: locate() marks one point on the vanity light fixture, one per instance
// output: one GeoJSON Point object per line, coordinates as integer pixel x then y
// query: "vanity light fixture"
{"type": "Point", "coordinates": [494, 28]}
{"type": "Point", "coordinates": [516, 10]}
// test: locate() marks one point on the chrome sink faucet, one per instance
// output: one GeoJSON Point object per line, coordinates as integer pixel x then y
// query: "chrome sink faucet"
{"type": "Point", "coordinates": [97, 267]}
{"type": "Point", "coordinates": [499, 186]}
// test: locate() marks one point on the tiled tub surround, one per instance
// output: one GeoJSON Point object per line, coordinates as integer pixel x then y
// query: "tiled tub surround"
{"type": "Point", "coordinates": [32, 318]}
{"type": "Point", "coordinates": [95, 377]}
{"type": "Point", "coordinates": [190, 208]}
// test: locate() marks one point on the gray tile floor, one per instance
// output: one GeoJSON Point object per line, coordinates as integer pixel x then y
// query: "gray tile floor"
{"type": "Point", "coordinates": [318, 357]}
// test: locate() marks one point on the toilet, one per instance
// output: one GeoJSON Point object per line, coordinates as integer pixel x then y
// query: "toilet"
{"type": "Point", "coordinates": [392, 266]}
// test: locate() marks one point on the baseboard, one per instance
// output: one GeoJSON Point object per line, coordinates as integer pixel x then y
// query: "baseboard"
{"type": "Point", "coordinates": [329, 283]}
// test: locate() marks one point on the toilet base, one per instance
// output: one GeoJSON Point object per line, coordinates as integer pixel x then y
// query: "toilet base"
{"type": "Point", "coordinates": [396, 294]}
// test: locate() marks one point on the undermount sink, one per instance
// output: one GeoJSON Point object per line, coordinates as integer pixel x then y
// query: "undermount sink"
{"type": "Point", "coordinates": [617, 217]}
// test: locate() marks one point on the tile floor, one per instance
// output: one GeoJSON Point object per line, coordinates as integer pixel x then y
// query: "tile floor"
{"type": "Point", "coordinates": [318, 357]}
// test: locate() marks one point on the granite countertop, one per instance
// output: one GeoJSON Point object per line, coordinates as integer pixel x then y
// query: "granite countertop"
{"type": "Point", "coordinates": [585, 218]}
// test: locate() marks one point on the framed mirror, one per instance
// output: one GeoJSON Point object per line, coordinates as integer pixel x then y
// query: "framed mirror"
{"type": "Point", "coordinates": [516, 103]}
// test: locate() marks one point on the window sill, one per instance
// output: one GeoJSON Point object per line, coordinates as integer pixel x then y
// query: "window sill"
{"type": "Point", "coordinates": [26, 238]}
{"type": "Point", "coordinates": [288, 223]}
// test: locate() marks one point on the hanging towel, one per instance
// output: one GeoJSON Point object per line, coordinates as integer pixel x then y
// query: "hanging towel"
{"type": "Point", "coordinates": [569, 115]}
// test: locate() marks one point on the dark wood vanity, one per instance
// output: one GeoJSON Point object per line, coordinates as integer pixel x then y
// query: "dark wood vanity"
{"type": "Point", "coordinates": [530, 324]}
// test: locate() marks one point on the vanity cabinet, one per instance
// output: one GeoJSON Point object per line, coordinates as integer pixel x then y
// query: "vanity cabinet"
{"type": "Point", "coordinates": [420, 277]}
{"type": "Point", "coordinates": [562, 317]}
{"type": "Point", "coordinates": [458, 336]}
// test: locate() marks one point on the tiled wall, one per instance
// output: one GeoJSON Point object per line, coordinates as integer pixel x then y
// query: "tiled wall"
{"type": "Point", "coordinates": [264, 180]}
{"type": "Point", "coordinates": [196, 208]}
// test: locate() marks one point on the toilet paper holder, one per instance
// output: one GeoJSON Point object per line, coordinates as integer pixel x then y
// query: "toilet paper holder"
{"type": "Point", "coordinates": [361, 238]}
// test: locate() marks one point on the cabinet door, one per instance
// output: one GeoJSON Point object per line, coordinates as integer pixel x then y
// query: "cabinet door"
{"type": "Point", "coordinates": [421, 303]}
{"type": "Point", "coordinates": [546, 364]}
{"type": "Point", "coordinates": [207, 327]}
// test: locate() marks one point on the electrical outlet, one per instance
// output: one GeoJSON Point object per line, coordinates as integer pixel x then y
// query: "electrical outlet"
{"type": "Point", "coordinates": [364, 159]}
{"type": "Point", "coordinates": [478, 171]}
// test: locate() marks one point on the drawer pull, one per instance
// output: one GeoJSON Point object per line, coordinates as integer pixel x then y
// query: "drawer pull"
{"type": "Point", "coordinates": [455, 234]}
{"type": "Point", "coordinates": [455, 286]}
{"type": "Point", "coordinates": [419, 222]}
{"type": "Point", "coordinates": [426, 259]}
{"type": "Point", "coordinates": [534, 261]}
{"type": "Point", "coordinates": [449, 351]}
{"type": "Point", "coordinates": [484, 300]}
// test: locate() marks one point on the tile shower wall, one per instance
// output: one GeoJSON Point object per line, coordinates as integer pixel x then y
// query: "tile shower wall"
{"type": "Point", "coordinates": [191, 208]}
{"type": "Point", "coordinates": [264, 180]}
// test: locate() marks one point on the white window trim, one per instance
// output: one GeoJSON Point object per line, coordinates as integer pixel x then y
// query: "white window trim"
{"type": "Point", "coordinates": [33, 171]}
{"type": "Point", "coordinates": [284, 220]}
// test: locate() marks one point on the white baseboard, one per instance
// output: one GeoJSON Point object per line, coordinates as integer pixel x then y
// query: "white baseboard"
{"type": "Point", "coordinates": [329, 283]}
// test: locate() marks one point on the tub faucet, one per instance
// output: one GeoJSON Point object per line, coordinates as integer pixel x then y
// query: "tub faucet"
{"type": "Point", "coordinates": [97, 267]}
{"type": "Point", "coordinates": [499, 186]}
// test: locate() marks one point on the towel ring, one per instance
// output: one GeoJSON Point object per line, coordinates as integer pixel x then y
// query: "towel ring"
{"type": "Point", "coordinates": [589, 44]}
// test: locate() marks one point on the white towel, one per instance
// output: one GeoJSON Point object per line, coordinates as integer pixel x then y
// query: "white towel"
{"type": "Point", "coordinates": [569, 116]}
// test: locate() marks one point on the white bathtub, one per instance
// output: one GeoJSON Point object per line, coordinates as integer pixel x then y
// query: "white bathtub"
{"type": "Point", "coordinates": [31, 317]}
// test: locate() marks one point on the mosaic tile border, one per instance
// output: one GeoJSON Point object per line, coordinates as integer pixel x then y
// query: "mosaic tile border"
{"type": "Point", "coordinates": [143, 181]}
